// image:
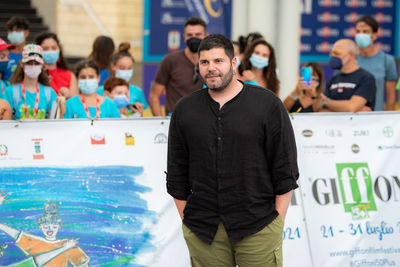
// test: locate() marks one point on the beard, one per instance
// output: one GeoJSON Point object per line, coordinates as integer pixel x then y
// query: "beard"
{"type": "Point", "coordinates": [226, 79]}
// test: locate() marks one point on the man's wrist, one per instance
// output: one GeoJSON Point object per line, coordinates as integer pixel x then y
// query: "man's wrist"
{"type": "Point", "coordinates": [324, 103]}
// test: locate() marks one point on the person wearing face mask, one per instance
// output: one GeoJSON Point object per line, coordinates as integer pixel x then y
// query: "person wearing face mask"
{"type": "Point", "coordinates": [17, 32]}
{"type": "Point", "coordinates": [302, 98]}
{"type": "Point", "coordinates": [88, 104]}
{"type": "Point", "coordinates": [4, 59]}
{"type": "Point", "coordinates": [353, 88]}
{"type": "Point", "coordinates": [259, 64]}
{"type": "Point", "coordinates": [118, 90]}
{"type": "Point", "coordinates": [102, 51]}
{"type": "Point", "coordinates": [63, 81]}
{"type": "Point", "coordinates": [122, 67]}
{"type": "Point", "coordinates": [177, 74]}
{"type": "Point", "coordinates": [29, 93]}
{"type": "Point", "coordinates": [377, 62]}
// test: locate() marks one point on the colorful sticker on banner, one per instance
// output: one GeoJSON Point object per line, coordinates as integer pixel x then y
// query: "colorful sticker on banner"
{"type": "Point", "coordinates": [3, 150]}
{"type": "Point", "coordinates": [129, 139]}
{"type": "Point", "coordinates": [37, 148]}
{"type": "Point", "coordinates": [160, 139]}
{"type": "Point", "coordinates": [174, 40]}
{"type": "Point", "coordinates": [356, 188]}
{"type": "Point", "coordinates": [98, 139]}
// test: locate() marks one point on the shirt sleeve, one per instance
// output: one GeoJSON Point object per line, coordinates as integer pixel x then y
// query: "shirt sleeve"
{"type": "Point", "coordinates": [69, 108]}
{"type": "Point", "coordinates": [162, 75]}
{"type": "Point", "coordinates": [390, 68]}
{"type": "Point", "coordinates": [53, 97]}
{"type": "Point", "coordinates": [281, 150]}
{"type": "Point", "coordinates": [366, 88]}
{"type": "Point", "coordinates": [114, 112]}
{"type": "Point", "coordinates": [327, 86]}
{"type": "Point", "coordinates": [8, 95]}
{"type": "Point", "coordinates": [178, 161]}
{"type": "Point", "coordinates": [138, 96]}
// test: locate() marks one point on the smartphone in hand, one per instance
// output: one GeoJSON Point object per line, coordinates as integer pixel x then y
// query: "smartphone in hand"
{"type": "Point", "coordinates": [306, 74]}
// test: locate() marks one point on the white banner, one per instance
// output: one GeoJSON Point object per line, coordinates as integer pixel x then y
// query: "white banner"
{"type": "Point", "coordinates": [104, 182]}
{"type": "Point", "coordinates": [349, 179]}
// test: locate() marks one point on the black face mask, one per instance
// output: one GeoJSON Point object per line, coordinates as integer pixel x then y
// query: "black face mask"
{"type": "Point", "coordinates": [193, 44]}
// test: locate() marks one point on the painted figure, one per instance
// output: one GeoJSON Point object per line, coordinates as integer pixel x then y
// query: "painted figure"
{"type": "Point", "coordinates": [50, 223]}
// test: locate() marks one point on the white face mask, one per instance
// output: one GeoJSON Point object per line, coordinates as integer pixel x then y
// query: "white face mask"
{"type": "Point", "coordinates": [33, 71]}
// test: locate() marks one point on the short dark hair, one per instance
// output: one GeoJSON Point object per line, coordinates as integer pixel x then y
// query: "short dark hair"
{"type": "Point", "coordinates": [196, 21]}
{"type": "Point", "coordinates": [370, 21]}
{"type": "Point", "coordinates": [86, 63]}
{"type": "Point", "coordinates": [17, 21]}
{"type": "Point", "coordinates": [217, 41]}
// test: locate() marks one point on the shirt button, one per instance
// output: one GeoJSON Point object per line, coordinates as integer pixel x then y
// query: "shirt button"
{"type": "Point", "coordinates": [219, 138]}
{"type": "Point", "coordinates": [219, 118]}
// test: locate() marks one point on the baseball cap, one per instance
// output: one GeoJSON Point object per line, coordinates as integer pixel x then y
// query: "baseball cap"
{"type": "Point", "coordinates": [4, 45]}
{"type": "Point", "coordinates": [32, 52]}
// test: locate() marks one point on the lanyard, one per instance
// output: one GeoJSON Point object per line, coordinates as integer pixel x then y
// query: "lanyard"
{"type": "Point", "coordinates": [35, 109]}
{"type": "Point", "coordinates": [87, 109]}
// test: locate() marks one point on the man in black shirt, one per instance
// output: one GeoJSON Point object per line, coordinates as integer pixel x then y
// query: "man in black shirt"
{"type": "Point", "coordinates": [231, 165]}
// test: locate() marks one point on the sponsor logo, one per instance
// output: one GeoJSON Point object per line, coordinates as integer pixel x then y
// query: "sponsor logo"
{"type": "Point", "coordinates": [328, 32]}
{"type": "Point", "coordinates": [174, 40]}
{"type": "Point", "coordinates": [329, 3]}
{"type": "Point", "coordinates": [386, 147]}
{"type": "Point", "coordinates": [168, 19]}
{"type": "Point", "coordinates": [324, 47]}
{"type": "Point", "coordinates": [3, 150]}
{"type": "Point", "coordinates": [351, 17]}
{"type": "Point", "coordinates": [98, 139]}
{"type": "Point", "coordinates": [319, 149]}
{"type": "Point", "coordinates": [129, 139]}
{"type": "Point", "coordinates": [356, 3]}
{"type": "Point", "coordinates": [350, 32]}
{"type": "Point", "coordinates": [37, 145]}
{"type": "Point", "coordinates": [328, 17]}
{"type": "Point", "coordinates": [307, 133]}
{"type": "Point", "coordinates": [382, 3]}
{"type": "Point", "coordinates": [384, 32]}
{"type": "Point", "coordinates": [355, 148]}
{"type": "Point", "coordinates": [384, 47]}
{"type": "Point", "coordinates": [305, 32]}
{"type": "Point", "coordinates": [382, 18]}
{"type": "Point", "coordinates": [305, 47]}
{"type": "Point", "coordinates": [359, 133]}
{"type": "Point", "coordinates": [333, 133]}
{"type": "Point", "coordinates": [356, 189]}
{"type": "Point", "coordinates": [388, 132]}
{"type": "Point", "coordinates": [160, 138]}
{"type": "Point", "coordinates": [174, 4]}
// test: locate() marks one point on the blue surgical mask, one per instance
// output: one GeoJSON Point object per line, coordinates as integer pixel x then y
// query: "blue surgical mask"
{"type": "Point", "coordinates": [3, 66]}
{"type": "Point", "coordinates": [335, 63]}
{"type": "Point", "coordinates": [121, 101]}
{"type": "Point", "coordinates": [88, 86]}
{"type": "Point", "coordinates": [363, 40]}
{"type": "Point", "coordinates": [16, 38]}
{"type": "Point", "coordinates": [258, 62]}
{"type": "Point", "coordinates": [51, 57]}
{"type": "Point", "coordinates": [238, 62]}
{"type": "Point", "coordinates": [124, 74]}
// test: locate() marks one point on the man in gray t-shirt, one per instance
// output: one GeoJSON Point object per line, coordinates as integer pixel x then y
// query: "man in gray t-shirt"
{"type": "Point", "coordinates": [378, 63]}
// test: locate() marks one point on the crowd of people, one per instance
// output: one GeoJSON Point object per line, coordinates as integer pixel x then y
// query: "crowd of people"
{"type": "Point", "coordinates": [37, 83]}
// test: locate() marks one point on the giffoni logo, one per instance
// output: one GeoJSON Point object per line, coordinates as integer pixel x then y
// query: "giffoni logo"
{"type": "Point", "coordinates": [356, 188]}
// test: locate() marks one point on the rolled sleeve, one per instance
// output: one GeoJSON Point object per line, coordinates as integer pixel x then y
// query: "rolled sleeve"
{"type": "Point", "coordinates": [177, 163]}
{"type": "Point", "coordinates": [282, 152]}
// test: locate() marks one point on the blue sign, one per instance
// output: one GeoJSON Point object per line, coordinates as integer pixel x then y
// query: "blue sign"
{"type": "Point", "coordinates": [164, 20]}
{"type": "Point", "coordinates": [326, 21]}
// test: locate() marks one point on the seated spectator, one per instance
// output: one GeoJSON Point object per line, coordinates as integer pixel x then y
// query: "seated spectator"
{"type": "Point", "coordinates": [18, 30]}
{"type": "Point", "coordinates": [118, 90]}
{"type": "Point", "coordinates": [88, 104]}
{"type": "Point", "coordinates": [29, 93]}
{"type": "Point", "coordinates": [122, 67]}
{"type": "Point", "coordinates": [353, 88]}
{"type": "Point", "coordinates": [103, 49]}
{"type": "Point", "coordinates": [259, 64]}
{"type": "Point", "coordinates": [4, 59]}
{"type": "Point", "coordinates": [5, 110]}
{"type": "Point", "coordinates": [63, 81]}
{"type": "Point", "coordinates": [302, 98]}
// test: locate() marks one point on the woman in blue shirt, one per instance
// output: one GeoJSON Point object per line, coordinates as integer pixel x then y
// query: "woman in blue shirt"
{"type": "Point", "coordinates": [29, 94]}
{"type": "Point", "coordinates": [89, 104]}
{"type": "Point", "coordinates": [122, 67]}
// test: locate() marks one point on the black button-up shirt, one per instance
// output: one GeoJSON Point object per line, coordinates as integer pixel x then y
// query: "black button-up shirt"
{"type": "Point", "coordinates": [230, 163]}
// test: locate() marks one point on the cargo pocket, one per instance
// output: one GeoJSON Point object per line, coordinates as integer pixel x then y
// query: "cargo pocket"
{"type": "Point", "coordinates": [278, 257]}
